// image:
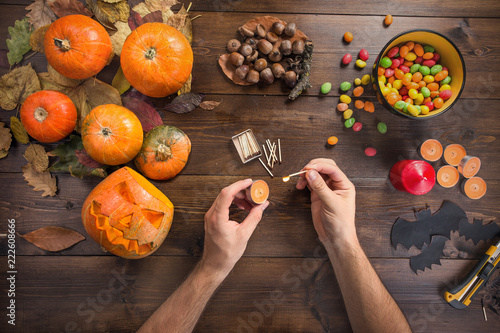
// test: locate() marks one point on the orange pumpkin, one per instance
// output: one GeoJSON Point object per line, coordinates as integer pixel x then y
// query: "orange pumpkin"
{"type": "Point", "coordinates": [156, 59]}
{"type": "Point", "coordinates": [77, 46]}
{"type": "Point", "coordinates": [164, 153]}
{"type": "Point", "coordinates": [112, 134]}
{"type": "Point", "coordinates": [48, 116]}
{"type": "Point", "coordinates": [127, 215]}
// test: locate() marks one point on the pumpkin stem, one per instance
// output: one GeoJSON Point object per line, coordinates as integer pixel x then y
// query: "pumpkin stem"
{"type": "Point", "coordinates": [106, 131]}
{"type": "Point", "coordinates": [150, 53]}
{"type": "Point", "coordinates": [62, 44]}
{"type": "Point", "coordinates": [163, 153]}
{"type": "Point", "coordinates": [40, 114]}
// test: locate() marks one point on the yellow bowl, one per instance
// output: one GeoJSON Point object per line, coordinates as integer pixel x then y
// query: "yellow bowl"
{"type": "Point", "coordinates": [450, 57]}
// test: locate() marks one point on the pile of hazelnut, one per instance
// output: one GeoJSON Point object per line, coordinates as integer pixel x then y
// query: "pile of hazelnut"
{"type": "Point", "coordinates": [258, 57]}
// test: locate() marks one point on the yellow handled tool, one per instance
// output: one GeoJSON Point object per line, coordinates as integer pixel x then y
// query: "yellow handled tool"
{"type": "Point", "coordinates": [461, 296]}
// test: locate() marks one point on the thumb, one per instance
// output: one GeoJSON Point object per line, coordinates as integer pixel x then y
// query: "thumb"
{"type": "Point", "coordinates": [253, 218]}
{"type": "Point", "coordinates": [317, 185]}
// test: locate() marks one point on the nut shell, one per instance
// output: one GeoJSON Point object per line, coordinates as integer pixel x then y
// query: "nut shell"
{"type": "Point", "coordinates": [290, 79]}
{"type": "Point", "coordinates": [253, 76]}
{"type": "Point", "coordinates": [264, 46]}
{"type": "Point", "coordinates": [245, 50]}
{"type": "Point", "coordinates": [286, 47]}
{"type": "Point", "coordinates": [298, 46]}
{"type": "Point", "coordinates": [236, 59]}
{"type": "Point", "coordinates": [267, 76]}
{"type": "Point", "coordinates": [242, 71]}
{"type": "Point", "coordinates": [260, 64]}
{"type": "Point", "coordinates": [272, 37]}
{"type": "Point", "coordinates": [277, 70]}
{"type": "Point", "coordinates": [233, 45]}
{"type": "Point", "coordinates": [261, 31]}
{"type": "Point", "coordinates": [278, 28]}
{"type": "Point", "coordinates": [290, 29]}
{"type": "Point", "coordinates": [244, 31]}
{"type": "Point", "coordinates": [253, 56]}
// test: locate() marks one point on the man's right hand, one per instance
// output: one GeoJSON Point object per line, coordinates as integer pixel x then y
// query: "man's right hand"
{"type": "Point", "coordinates": [332, 202]}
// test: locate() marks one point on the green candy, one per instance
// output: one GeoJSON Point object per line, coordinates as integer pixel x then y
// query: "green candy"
{"type": "Point", "coordinates": [446, 80]}
{"type": "Point", "coordinates": [382, 127]}
{"type": "Point", "coordinates": [436, 69]}
{"type": "Point", "coordinates": [418, 108]}
{"type": "Point", "coordinates": [428, 48]}
{"type": "Point", "coordinates": [405, 108]}
{"type": "Point", "coordinates": [345, 86]}
{"type": "Point", "coordinates": [326, 87]}
{"type": "Point", "coordinates": [414, 68]}
{"type": "Point", "coordinates": [349, 122]}
{"type": "Point", "coordinates": [385, 62]}
{"type": "Point", "coordinates": [425, 91]}
{"type": "Point", "coordinates": [424, 70]}
{"type": "Point", "coordinates": [399, 105]}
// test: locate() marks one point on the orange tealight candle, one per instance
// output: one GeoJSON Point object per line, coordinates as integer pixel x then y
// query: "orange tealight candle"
{"type": "Point", "coordinates": [469, 166]}
{"type": "Point", "coordinates": [453, 154]}
{"type": "Point", "coordinates": [431, 150]}
{"type": "Point", "coordinates": [447, 176]}
{"type": "Point", "coordinates": [258, 192]}
{"type": "Point", "coordinates": [474, 187]}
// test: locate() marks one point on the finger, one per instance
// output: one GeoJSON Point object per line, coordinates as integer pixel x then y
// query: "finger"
{"type": "Point", "coordinates": [329, 168]}
{"type": "Point", "coordinates": [253, 218]}
{"type": "Point", "coordinates": [317, 185]}
{"type": "Point", "coordinates": [301, 183]}
{"type": "Point", "coordinates": [227, 195]}
{"type": "Point", "coordinates": [242, 204]}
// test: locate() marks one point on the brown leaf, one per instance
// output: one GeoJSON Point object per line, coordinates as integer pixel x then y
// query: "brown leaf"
{"type": "Point", "coordinates": [209, 105]}
{"type": "Point", "coordinates": [85, 159]}
{"type": "Point", "coordinates": [118, 11]}
{"type": "Point", "coordinates": [53, 238]}
{"type": "Point", "coordinates": [40, 13]}
{"type": "Point", "coordinates": [184, 103]}
{"type": "Point", "coordinates": [162, 5]}
{"type": "Point", "coordinates": [178, 20]}
{"type": "Point", "coordinates": [16, 85]}
{"type": "Point", "coordinates": [112, 1]}
{"type": "Point", "coordinates": [36, 38]}
{"type": "Point", "coordinates": [120, 81]}
{"type": "Point", "coordinates": [148, 116]}
{"type": "Point", "coordinates": [136, 19]}
{"type": "Point", "coordinates": [100, 15]}
{"type": "Point", "coordinates": [141, 9]}
{"type": "Point", "coordinates": [69, 7]}
{"type": "Point", "coordinates": [5, 137]}
{"type": "Point", "coordinates": [41, 181]}
{"type": "Point", "coordinates": [36, 155]}
{"type": "Point", "coordinates": [17, 128]}
{"type": "Point", "coordinates": [133, 3]}
{"type": "Point", "coordinates": [119, 37]}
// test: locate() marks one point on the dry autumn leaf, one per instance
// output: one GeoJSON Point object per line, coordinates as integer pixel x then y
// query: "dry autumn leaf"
{"type": "Point", "coordinates": [41, 181]}
{"type": "Point", "coordinates": [162, 5]}
{"type": "Point", "coordinates": [209, 105]}
{"type": "Point", "coordinates": [36, 155]}
{"type": "Point", "coordinates": [141, 9]}
{"type": "Point", "coordinates": [186, 88]}
{"type": "Point", "coordinates": [119, 37]}
{"type": "Point", "coordinates": [16, 85]}
{"type": "Point", "coordinates": [85, 94]}
{"type": "Point", "coordinates": [19, 42]}
{"type": "Point", "coordinates": [36, 38]}
{"type": "Point", "coordinates": [85, 159]}
{"type": "Point", "coordinates": [136, 19]}
{"type": "Point", "coordinates": [118, 11]}
{"type": "Point", "coordinates": [148, 116]}
{"type": "Point", "coordinates": [5, 140]}
{"type": "Point", "coordinates": [100, 15]}
{"type": "Point", "coordinates": [40, 13]}
{"type": "Point", "coordinates": [17, 128]}
{"type": "Point", "coordinates": [120, 81]}
{"type": "Point", "coordinates": [184, 103]}
{"type": "Point", "coordinates": [53, 238]}
{"type": "Point", "coordinates": [69, 7]}
{"type": "Point", "coordinates": [112, 1]}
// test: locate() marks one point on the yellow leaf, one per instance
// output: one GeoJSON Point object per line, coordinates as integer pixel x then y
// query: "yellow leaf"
{"type": "Point", "coordinates": [36, 38]}
{"type": "Point", "coordinates": [16, 85]}
{"type": "Point", "coordinates": [187, 86]}
{"type": "Point", "coordinates": [17, 128]}
{"type": "Point", "coordinates": [119, 11]}
{"type": "Point", "coordinates": [120, 81]}
{"type": "Point", "coordinates": [41, 181]}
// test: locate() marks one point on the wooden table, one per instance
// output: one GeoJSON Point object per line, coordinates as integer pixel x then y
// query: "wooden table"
{"type": "Point", "coordinates": [283, 283]}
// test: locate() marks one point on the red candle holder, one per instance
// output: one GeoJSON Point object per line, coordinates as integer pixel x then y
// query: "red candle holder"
{"type": "Point", "coordinates": [413, 176]}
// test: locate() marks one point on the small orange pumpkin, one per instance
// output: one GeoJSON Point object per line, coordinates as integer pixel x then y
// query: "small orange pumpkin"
{"type": "Point", "coordinates": [164, 153]}
{"type": "Point", "coordinates": [48, 116]}
{"type": "Point", "coordinates": [156, 59]}
{"type": "Point", "coordinates": [127, 215]}
{"type": "Point", "coordinates": [112, 134]}
{"type": "Point", "coordinates": [77, 46]}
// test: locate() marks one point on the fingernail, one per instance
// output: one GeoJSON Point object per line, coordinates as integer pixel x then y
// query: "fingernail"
{"type": "Point", "coordinates": [311, 175]}
{"type": "Point", "coordinates": [265, 205]}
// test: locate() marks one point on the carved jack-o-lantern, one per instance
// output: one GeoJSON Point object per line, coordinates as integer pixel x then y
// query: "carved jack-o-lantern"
{"type": "Point", "coordinates": [127, 215]}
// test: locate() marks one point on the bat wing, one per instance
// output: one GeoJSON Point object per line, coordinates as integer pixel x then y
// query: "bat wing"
{"type": "Point", "coordinates": [409, 233]}
{"type": "Point", "coordinates": [430, 255]}
{"type": "Point", "coordinates": [446, 219]}
{"type": "Point", "coordinates": [477, 231]}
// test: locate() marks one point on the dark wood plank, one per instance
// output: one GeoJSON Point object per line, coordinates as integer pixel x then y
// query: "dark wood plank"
{"type": "Point", "coordinates": [116, 295]}
{"type": "Point", "coordinates": [285, 231]}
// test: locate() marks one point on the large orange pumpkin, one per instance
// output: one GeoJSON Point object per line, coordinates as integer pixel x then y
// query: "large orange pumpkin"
{"type": "Point", "coordinates": [112, 134]}
{"type": "Point", "coordinates": [164, 153]}
{"type": "Point", "coordinates": [127, 215]}
{"type": "Point", "coordinates": [48, 116]}
{"type": "Point", "coordinates": [156, 59]}
{"type": "Point", "coordinates": [77, 46]}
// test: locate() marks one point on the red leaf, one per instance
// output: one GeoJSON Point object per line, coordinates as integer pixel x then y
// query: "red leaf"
{"type": "Point", "coordinates": [69, 7]}
{"type": "Point", "coordinates": [153, 17]}
{"type": "Point", "coordinates": [85, 159]}
{"type": "Point", "coordinates": [134, 20]}
{"type": "Point", "coordinates": [148, 116]}
{"type": "Point", "coordinates": [53, 238]}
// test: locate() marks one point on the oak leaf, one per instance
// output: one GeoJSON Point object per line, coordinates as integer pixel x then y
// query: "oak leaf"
{"type": "Point", "coordinates": [53, 238]}
{"type": "Point", "coordinates": [17, 85]}
{"type": "Point", "coordinates": [85, 94]}
{"type": "Point", "coordinates": [19, 42]}
{"type": "Point", "coordinates": [40, 13]}
{"type": "Point", "coordinates": [209, 105]}
{"type": "Point", "coordinates": [184, 103]}
{"type": "Point", "coordinates": [162, 5]}
{"type": "Point", "coordinates": [36, 155]}
{"type": "Point", "coordinates": [120, 81]}
{"type": "Point", "coordinates": [17, 128]}
{"type": "Point", "coordinates": [37, 37]}
{"type": "Point", "coordinates": [118, 38]}
{"type": "Point", "coordinates": [148, 116]}
{"type": "Point", "coordinates": [69, 7]}
{"type": "Point", "coordinates": [41, 181]}
{"type": "Point", "coordinates": [5, 140]}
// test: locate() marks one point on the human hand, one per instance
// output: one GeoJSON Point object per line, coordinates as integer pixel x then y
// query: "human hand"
{"type": "Point", "coordinates": [332, 201]}
{"type": "Point", "coordinates": [226, 240]}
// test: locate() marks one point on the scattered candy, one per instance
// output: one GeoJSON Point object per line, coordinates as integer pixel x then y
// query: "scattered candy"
{"type": "Point", "coordinates": [345, 86]}
{"type": "Point", "coordinates": [369, 107]}
{"type": "Point", "coordinates": [357, 126]}
{"type": "Point", "coordinates": [385, 62]}
{"type": "Point", "coordinates": [342, 107]}
{"type": "Point", "coordinates": [358, 91]}
{"type": "Point", "coordinates": [370, 151]}
{"type": "Point", "coordinates": [349, 122]}
{"type": "Point", "coordinates": [332, 140]}
{"type": "Point", "coordinates": [357, 81]}
{"type": "Point", "coordinates": [363, 54]}
{"type": "Point", "coordinates": [359, 104]}
{"type": "Point", "coordinates": [348, 37]}
{"type": "Point", "coordinates": [346, 59]}
{"type": "Point", "coordinates": [347, 114]}
{"type": "Point", "coordinates": [345, 99]}
{"type": "Point", "coordinates": [388, 20]}
{"type": "Point", "coordinates": [326, 87]}
{"type": "Point", "coordinates": [360, 63]}
{"type": "Point", "coordinates": [365, 79]}
{"type": "Point", "coordinates": [382, 127]}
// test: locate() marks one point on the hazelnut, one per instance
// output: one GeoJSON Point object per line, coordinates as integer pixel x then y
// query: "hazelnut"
{"type": "Point", "coordinates": [278, 70]}
{"type": "Point", "coordinates": [290, 79]}
{"type": "Point", "coordinates": [252, 41]}
{"type": "Point", "coordinates": [290, 29]}
{"type": "Point", "coordinates": [278, 28]}
{"type": "Point", "coordinates": [260, 64]}
{"type": "Point", "coordinates": [233, 45]}
{"type": "Point", "coordinates": [253, 56]}
{"type": "Point", "coordinates": [253, 76]}
{"type": "Point", "coordinates": [246, 50]}
{"type": "Point", "coordinates": [298, 46]}
{"type": "Point", "coordinates": [267, 76]}
{"type": "Point", "coordinates": [236, 59]}
{"type": "Point", "coordinates": [261, 31]}
{"type": "Point", "coordinates": [275, 54]}
{"type": "Point", "coordinates": [286, 47]}
{"type": "Point", "coordinates": [264, 46]}
{"type": "Point", "coordinates": [242, 71]}
{"type": "Point", "coordinates": [272, 37]}
{"type": "Point", "coordinates": [245, 31]}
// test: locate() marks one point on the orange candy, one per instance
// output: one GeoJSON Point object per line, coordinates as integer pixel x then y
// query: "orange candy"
{"type": "Point", "coordinates": [381, 70]}
{"type": "Point", "coordinates": [391, 79]}
{"type": "Point", "coordinates": [433, 86]}
{"type": "Point", "coordinates": [406, 80]}
{"type": "Point", "coordinates": [422, 84]}
{"type": "Point", "coordinates": [399, 74]}
{"type": "Point", "coordinates": [417, 77]}
{"type": "Point", "coordinates": [434, 93]}
{"type": "Point", "coordinates": [369, 107]}
{"type": "Point", "coordinates": [408, 63]}
{"type": "Point", "coordinates": [438, 102]}
{"type": "Point", "coordinates": [441, 75]}
{"type": "Point", "coordinates": [332, 140]}
{"type": "Point", "coordinates": [348, 37]}
{"type": "Point", "coordinates": [409, 100]}
{"type": "Point", "coordinates": [412, 85]}
{"type": "Point", "coordinates": [427, 100]}
{"type": "Point", "coordinates": [410, 45]}
{"type": "Point", "coordinates": [403, 51]}
{"type": "Point", "coordinates": [428, 55]}
{"type": "Point", "coordinates": [392, 98]}
{"type": "Point", "coordinates": [419, 50]}
{"type": "Point", "coordinates": [359, 104]}
{"type": "Point", "coordinates": [358, 91]}
{"type": "Point", "coordinates": [388, 20]}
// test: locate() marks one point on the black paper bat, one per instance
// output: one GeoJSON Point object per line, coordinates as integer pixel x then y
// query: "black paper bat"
{"type": "Point", "coordinates": [477, 231]}
{"type": "Point", "coordinates": [427, 225]}
{"type": "Point", "coordinates": [430, 255]}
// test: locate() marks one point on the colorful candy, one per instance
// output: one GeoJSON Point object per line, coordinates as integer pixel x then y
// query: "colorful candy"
{"type": "Point", "coordinates": [326, 87]}
{"type": "Point", "coordinates": [370, 151]}
{"type": "Point", "coordinates": [388, 20]}
{"type": "Point", "coordinates": [348, 37]}
{"type": "Point", "coordinates": [332, 140]}
{"type": "Point", "coordinates": [347, 114]}
{"type": "Point", "coordinates": [357, 81]}
{"type": "Point", "coordinates": [346, 59]}
{"type": "Point", "coordinates": [345, 86]}
{"type": "Point", "coordinates": [360, 63]}
{"type": "Point", "coordinates": [357, 126]}
{"type": "Point", "coordinates": [345, 99]}
{"type": "Point", "coordinates": [365, 79]}
{"type": "Point", "coordinates": [382, 127]}
{"type": "Point", "coordinates": [349, 122]}
{"type": "Point", "coordinates": [363, 54]}
{"type": "Point", "coordinates": [342, 107]}
{"type": "Point", "coordinates": [358, 91]}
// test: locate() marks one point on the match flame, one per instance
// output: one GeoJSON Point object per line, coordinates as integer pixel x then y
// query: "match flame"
{"type": "Point", "coordinates": [285, 179]}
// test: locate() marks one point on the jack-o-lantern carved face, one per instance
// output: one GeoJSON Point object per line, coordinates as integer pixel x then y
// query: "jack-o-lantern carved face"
{"type": "Point", "coordinates": [127, 215]}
